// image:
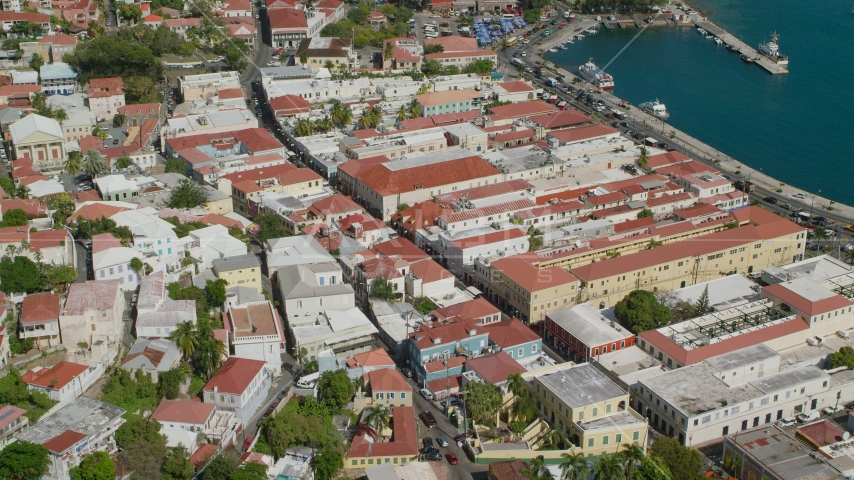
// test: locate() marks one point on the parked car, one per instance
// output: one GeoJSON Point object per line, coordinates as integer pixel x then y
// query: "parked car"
{"type": "Point", "coordinates": [426, 393]}
{"type": "Point", "coordinates": [771, 200]}
{"type": "Point", "coordinates": [406, 372]}
{"type": "Point", "coordinates": [832, 410]}
{"type": "Point", "coordinates": [428, 419]}
{"type": "Point", "coordinates": [248, 443]}
{"type": "Point", "coordinates": [808, 416]}
{"type": "Point", "coordinates": [452, 458]}
{"type": "Point", "coordinates": [786, 422]}
{"type": "Point", "coordinates": [428, 444]}
{"type": "Point", "coordinates": [850, 406]}
{"type": "Point", "coordinates": [442, 441]}
{"type": "Point", "coordinates": [799, 195]}
{"type": "Point", "coordinates": [462, 436]}
{"type": "Point", "coordinates": [433, 455]}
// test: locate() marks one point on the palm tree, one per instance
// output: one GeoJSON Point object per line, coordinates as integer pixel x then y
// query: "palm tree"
{"type": "Point", "coordinates": [73, 163]}
{"type": "Point", "coordinates": [38, 99]}
{"type": "Point", "coordinates": [516, 384]}
{"type": "Point", "coordinates": [414, 108]}
{"type": "Point", "coordinates": [303, 58]}
{"type": "Point", "coordinates": [304, 127]}
{"type": "Point", "coordinates": [25, 246]}
{"type": "Point", "coordinates": [379, 418]}
{"type": "Point", "coordinates": [99, 132]}
{"type": "Point", "coordinates": [329, 65]}
{"type": "Point", "coordinates": [574, 467]}
{"type": "Point", "coordinates": [341, 114]}
{"type": "Point", "coordinates": [371, 118]}
{"type": "Point", "coordinates": [23, 192]}
{"type": "Point", "coordinates": [60, 115]}
{"type": "Point", "coordinates": [186, 337]}
{"type": "Point", "coordinates": [402, 113]}
{"type": "Point", "coordinates": [524, 408]}
{"type": "Point", "coordinates": [301, 353]}
{"type": "Point", "coordinates": [39, 257]}
{"type": "Point", "coordinates": [643, 158]}
{"type": "Point", "coordinates": [388, 53]}
{"type": "Point", "coordinates": [631, 456]}
{"type": "Point", "coordinates": [11, 250]}
{"type": "Point", "coordinates": [609, 468]}
{"type": "Point", "coordinates": [93, 163]}
{"type": "Point", "coordinates": [119, 119]}
{"type": "Point", "coordinates": [325, 124]}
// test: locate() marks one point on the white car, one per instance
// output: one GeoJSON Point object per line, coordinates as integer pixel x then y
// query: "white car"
{"type": "Point", "coordinates": [786, 422]}
{"type": "Point", "coordinates": [799, 196]}
{"type": "Point", "coordinates": [218, 59]}
{"type": "Point", "coordinates": [435, 16]}
{"type": "Point", "coordinates": [832, 410]}
{"type": "Point", "coordinates": [109, 137]}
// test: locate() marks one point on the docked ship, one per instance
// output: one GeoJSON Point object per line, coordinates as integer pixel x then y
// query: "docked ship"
{"type": "Point", "coordinates": [772, 51]}
{"type": "Point", "coordinates": [656, 109]}
{"type": "Point", "coordinates": [596, 76]}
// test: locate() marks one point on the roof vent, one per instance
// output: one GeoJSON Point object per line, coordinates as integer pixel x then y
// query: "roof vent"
{"type": "Point", "coordinates": [472, 332]}
{"type": "Point", "coordinates": [437, 340]}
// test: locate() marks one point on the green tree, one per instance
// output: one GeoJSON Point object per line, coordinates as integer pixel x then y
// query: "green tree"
{"type": "Point", "coordinates": [340, 113]}
{"type": "Point", "coordinates": [702, 305]}
{"type": "Point", "coordinates": [378, 418]}
{"type": "Point", "coordinates": [115, 56]}
{"type": "Point", "coordinates": [631, 455]}
{"type": "Point", "coordinates": [643, 158]}
{"type": "Point", "coordinates": [137, 429]}
{"type": "Point", "coordinates": [36, 62]}
{"type": "Point", "coordinates": [8, 185]}
{"type": "Point", "coordinates": [304, 127]}
{"type": "Point", "coordinates": [119, 120]}
{"type": "Point", "coordinates": [251, 471]}
{"type": "Point", "coordinates": [431, 67]}
{"type": "Point", "coordinates": [130, 12]}
{"type": "Point", "coordinates": [424, 305]}
{"type": "Point", "coordinates": [844, 357]}
{"type": "Point", "coordinates": [23, 461]}
{"type": "Point", "coordinates": [640, 311]}
{"type": "Point", "coordinates": [327, 464]}
{"type": "Point", "coordinates": [93, 163]}
{"type": "Point", "coordinates": [15, 217]}
{"type": "Point", "coordinates": [144, 458]}
{"type": "Point", "coordinates": [169, 382]}
{"type": "Point", "coordinates": [63, 206]}
{"type": "Point", "coordinates": [653, 468]}
{"type": "Point", "coordinates": [141, 89]}
{"type": "Point", "coordinates": [222, 467]}
{"type": "Point", "coordinates": [574, 467]}
{"type": "Point", "coordinates": [382, 288]}
{"type": "Point", "coordinates": [187, 338]}
{"type": "Point", "coordinates": [23, 192]}
{"type": "Point", "coordinates": [270, 226]}
{"type": "Point", "coordinates": [73, 162]}
{"type": "Point", "coordinates": [137, 266]}
{"type": "Point", "coordinates": [188, 194]}
{"type": "Point", "coordinates": [359, 14]}
{"type": "Point", "coordinates": [335, 388]}
{"type": "Point", "coordinates": [483, 400]}
{"type": "Point", "coordinates": [609, 467]}
{"type": "Point", "coordinates": [434, 48]}
{"type": "Point", "coordinates": [236, 59]}
{"type": "Point", "coordinates": [177, 465]}
{"type": "Point", "coordinates": [645, 213]}
{"type": "Point", "coordinates": [215, 291]}
{"type": "Point", "coordinates": [683, 462]}
{"type": "Point", "coordinates": [653, 243]}
{"type": "Point", "coordinates": [176, 165]}
{"type": "Point", "coordinates": [96, 466]}
{"type": "Point", "coordinates": [402, 113]}
{"type": "Point", "coordinates": [479, 66]}
{"type": "Point", "coordinates": [19, 275]}
{"type": "Point", "coordinates": [124, 161]}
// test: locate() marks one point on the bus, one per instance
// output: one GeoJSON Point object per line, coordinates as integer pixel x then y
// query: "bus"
{"type": "Point", "coordinates": [508, 16]}
{"type": "Point", "coordinates": [517, 62]}
{"type": "Point", "coordinates": [511, 41]}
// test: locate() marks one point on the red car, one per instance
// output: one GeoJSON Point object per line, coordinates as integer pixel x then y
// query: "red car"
{"type": "Point", "coordinates": [278, 51]}
{"type": "Point", "coordinates": [452, 459]}
{"type": "Point", "coordinates": [247, 444]}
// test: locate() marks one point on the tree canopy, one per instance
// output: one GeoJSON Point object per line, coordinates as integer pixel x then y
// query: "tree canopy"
{"type": "Point", "coordinates": [640, 311]}
{"type": "Point", "coordinates": [19, 275]}
{"type": "Point", "coordinates": [188, 194]}
{"type": "Point", "coordinates": [336, 388]}
{"type": "Point", "coordinates": [15, 217]}
{"type": "Point", "coordinates": [114, 56]}
{"type": "Point", "coordinates": [96, 466]}
{"type": "Point", "coordinates": [683, 462]}
{"type": "Point", "coordinates": [844, 357]}
{"type": "Point", "coordinates": [382, 288]}
{"type": "Point", "coordinates": [270, 226]}
{"type": "Point", "coordinates": [23, 461]}
{"type": "Point", "coordinates": [483, 400]}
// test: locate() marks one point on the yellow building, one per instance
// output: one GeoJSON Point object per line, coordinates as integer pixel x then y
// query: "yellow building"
{"type": "Point", "coordinates": [218, 202]}
{"type": "Point", "coordinates": [589, 408]}
{"type": "Point", "coordinates": [319, 50]}
{"type": "Point", "coordinates": [527, 292]}
{"type": "Point", "coordinates": [41, 140]}
{"type": "Point", "coordinates": [366, 450]}
{"type": "Point", "coordinates": [239, 271]}
{"type": "Point", "coordinates": [763, 240]}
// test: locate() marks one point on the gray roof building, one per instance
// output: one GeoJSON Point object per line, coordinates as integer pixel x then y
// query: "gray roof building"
{"type": "Point", "coordinates": [581, 385]}
{"type": "Point", "coordinates": [84, 415]}
{"type": "Point", "coordinates": [236, 263]}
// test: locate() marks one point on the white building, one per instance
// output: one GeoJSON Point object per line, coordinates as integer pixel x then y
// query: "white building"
{"type": "Point", "coordinates": [347, 332]}
{"type": "Point", "coordinates": [157, 314]}
{"type": "Point", "coordinates": [297, 250]}
{"type": "Point", "coordinates": [459, 249]}
{"type": "Point", "coordinates": [211, 243]}
{"type": "Point", "coordinates": [308, 290]}
{"type": "Point", "coordinates": [64, 381]}
{"type": "Point", "coordinates": [152, 357]}
{"type": "Point", "coordinates": [181, 420]}
{"type": "Point", "coordinates": [240, 386]}
{"type": "Point", "coordinates": [255, 332]}
{"type": "Point", "coordinates": [114, 264]}
{"type": "Point", "coordinates": [92, 316]}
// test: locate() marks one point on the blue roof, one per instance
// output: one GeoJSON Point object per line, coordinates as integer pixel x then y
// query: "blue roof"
{"type": "Point", "coordinates": [56, 71]}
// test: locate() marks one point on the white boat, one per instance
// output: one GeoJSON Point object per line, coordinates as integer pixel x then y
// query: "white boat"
{"type": "Point", "coordinates": [701, 31]}
{"type": "Point", "coordinates": [772, 51]}
{"type": "Point", "coordinates": [718, 41]}
{"type": "Point", "coordinates": [596, 76]}
{"type": "Point", "coordinates": [579, 36]}
{"type": "Point", "coordinates": [710, 36]}
{"type": "Point", "coordinates": [553, 50]}
{"type": "Point", "coordinates": [656, 109]}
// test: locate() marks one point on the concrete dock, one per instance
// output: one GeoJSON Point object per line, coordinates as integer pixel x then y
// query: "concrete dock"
{"type": "Point", "coordinates": [730, 39]}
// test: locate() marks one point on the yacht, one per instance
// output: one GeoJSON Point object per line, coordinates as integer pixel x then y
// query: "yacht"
{"type": "Point", "coordinates": [656, 109]}
{"type": "Point", "coordinates": [746, 58]}
{"type": "Point", "coordinates": [772, 51]}
{"type": "Point", "coordinates": [595, 75]}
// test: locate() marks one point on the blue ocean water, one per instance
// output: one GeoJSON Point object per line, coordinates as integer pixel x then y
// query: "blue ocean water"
{"type": "Point", "coordinates": [798, 128]}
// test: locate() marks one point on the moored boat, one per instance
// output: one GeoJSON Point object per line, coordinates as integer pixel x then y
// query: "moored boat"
{"type": "Point", "coordinates": [595, 75]}
{"type": "Point", "coordinates": [656, 109]}
{"type": "Point", "coordinates": [772, 51]}
{"type": "Point", "coordinates": [746, 58]}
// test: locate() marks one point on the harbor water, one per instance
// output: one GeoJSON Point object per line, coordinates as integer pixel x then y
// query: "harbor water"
{"type": "Point", "coordinates": [798, 128]}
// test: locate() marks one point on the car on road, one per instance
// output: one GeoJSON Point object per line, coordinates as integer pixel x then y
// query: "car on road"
{"type": "Point", "coordinates": [426, 393]}
{"type": "Point", "coordinates": [771, 200]}
{"type": "Point", "coordinates": [406, 372]}
{"type": "Point", "coordinates": [116, 141]}
{"type": "Point", "coordinates": [850, 406]}
{"type": "Point", "coordinates": [248, 443]}
{"type": "Point", "coordinates": [282, 394]}
{"type": "Point", "coordinates": [428, 419]}
{"type": "Point", "coordinates": [462, 436]}
{"type": "Point", "coordinates": [428, 444]}
{"type": "Point", "coordinates": [435, 16]}
{"type": "Point", "coordinates": [819, 220]}
{"type": "Point", "coordinates": [441, 441]}
{"type": "Point", "coordinates": [272, 407]}
{"type": "Point", "coordinates": [452, 458]}
{"type": "Point", "coordinates": [832, 410]}
{"type": "Point", "coordinates": [433, 455]}
{"type": "Point", "coordinates": [787, 206]}
{"type": "Point", "coordinates": [218, 59]}
{"type": "Point", "coordinates": [799, 195]}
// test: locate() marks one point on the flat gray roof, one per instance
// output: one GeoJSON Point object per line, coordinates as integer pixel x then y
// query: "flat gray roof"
{"type": "Point", "coordinates": [723, 292]}
{"type": "Point", "coordinates": [696, 389]}
{"type": "Point", "coordinates": [742, 357]}
{"type": "Point", "coordinates": [581, 385]}
{"type": "Point", "coordinates": [585, 323]}
{"type": "Point", "coordinates": [236, 263]}
{"type": "Point", "coordinates": [620, 419]}
{"type": "Point", "coordinates": [781, 454]}
{"type": "Point", "coordinates": [789, 378]}
{"type": "Point", "coordinates": [83, 415]}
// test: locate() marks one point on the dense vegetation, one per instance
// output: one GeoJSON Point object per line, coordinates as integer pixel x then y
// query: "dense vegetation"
{"type": "Point", "coordinates": [640, 311]}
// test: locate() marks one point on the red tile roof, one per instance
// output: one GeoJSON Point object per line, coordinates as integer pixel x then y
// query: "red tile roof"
{"type": "Point", "coordinates": [496, 209]}
{"type": "Point", "coordinates": [639, 224]}
{"type": "Point", "coordinates": [488, 238]}
{"type": "Point", "coordinates": [290, 105]}
{"type": "Point", "coordinates": [374, 358]}
{"type": "Point", "coordinates": [61, 39]}
{"type": "Point", "coordinates": [104, 241]}
{"type": "Point", "coordinates": [471, 310]}
{"type": "Point", "coordinates": [531, 278]}
{"type": "Point", "coordinates": [583, 133]}
{"type": "Point", "coordinates": [511, 332]}
{"type": "Point", "coordinates": [55, 377]}
{"type": "Point", "coordinates": [820, 433]}
{"type": "Point", "coordinates": [429, 271]}
{"type": "Point", "coordinates": [485, 191]}
{"type": "Point", "coordinates": [495, 368]}
{"type": "Point", "coordinates": [25, 16]}
{"type": "Point", "coordinates": [455, 43]}
{"type": "Point", "coordinates": [287, 18]}
{"type": "Point", "coordinates": [235, 375]}
{"type": "Point", "coordinates": [523, 109]}
{"type": "Point", "coordinates": [519, 134]}
{"type": "Point", "coordinates": [420, 215]}
{"type": "Point", "coordinates": [400, 248]}
{"type": "Point", "coordinates": [380, 267]}
{"type": "Point", "coordinates": [404, 441]}
{"type": "Point", "coordinates": [607, 198]}
{"type": "Point", "coordinates": [32, 207]}
{"type": "Point", "coordinates": [9, 413]}
{"type": "Point", "coordinates": [94, 211]}
{"type": "Point", "coordinates": [439, 366]}
{"type": "Point", "coordinates": [141, 109]}
{"type": "Point", "coordinates": [514, 87]}
{"type": "Point", "coordinates": [441, 384]}
{"type": "Point", "coordinates": [561, 119]}
{"type": "Point", "coordinates": [196, 413]}
{"type": "Point", "coordinates": [667, 158]}
{"type": "Point", "coordinates": [48, 239]}
{"type": "Point", "coordinates": [105, 87]}
{"type": "Point", "coordinates": [63, 441]}
{"type": "Point", "coordinates": [562, 207]}
{"type": "Point", "coordinates": [737, 342]}
{"type": "Point", "coordinates": [386, 379]}
{"type": "Point", "coordinates": [40, 308]}
{"type": "Point", "coordinates": [367, 222]}
{"type": "Point", "coordinates": [424, 336]}
{"type": "Point", "coordinates": [333, 205]}
{"type": "Point", "coordinates": [87, 196]}
{"type": "Point", "coordinates": [201, 455]}
{"type": "Point", "coordinates": [785, 293]}
{"type": "Point", "coordinates": [699, 210]}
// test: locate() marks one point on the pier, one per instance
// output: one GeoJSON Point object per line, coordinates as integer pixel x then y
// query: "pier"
{"type": "Point", "coordinates": [730, 39]}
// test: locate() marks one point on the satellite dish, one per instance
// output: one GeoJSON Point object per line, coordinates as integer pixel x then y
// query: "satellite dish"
{"type": "Point", "coordinates": [846, 436]}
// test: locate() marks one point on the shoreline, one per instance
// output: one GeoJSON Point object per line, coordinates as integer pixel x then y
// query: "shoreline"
{"type": "Point", "coordinates": [725, 163]}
